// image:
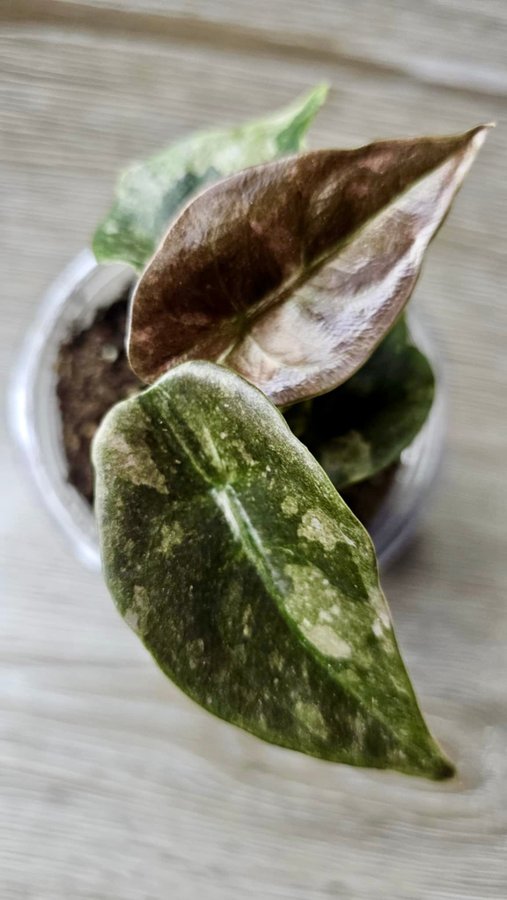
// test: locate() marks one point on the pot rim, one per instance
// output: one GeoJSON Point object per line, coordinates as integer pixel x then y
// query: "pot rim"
{"type": "Point", "coordinates": [83, 287]}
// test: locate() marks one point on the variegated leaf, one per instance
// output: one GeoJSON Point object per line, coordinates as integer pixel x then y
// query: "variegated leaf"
{"type": "Point", "coordinates": [362, 426]}
{"type": "Point", "coordinates": [149, 194]}
{"type": "Point", "coordinates": [292, 272]}
{"type": "Point", "coordinates": [230, 553]}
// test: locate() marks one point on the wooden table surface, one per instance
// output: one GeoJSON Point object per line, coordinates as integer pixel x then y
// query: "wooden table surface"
{"type": "Point", "coordinates": [113, 785]}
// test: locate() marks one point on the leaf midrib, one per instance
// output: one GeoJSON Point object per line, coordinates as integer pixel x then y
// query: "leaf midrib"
{"type": "Point", "coordinates": [306, 272]}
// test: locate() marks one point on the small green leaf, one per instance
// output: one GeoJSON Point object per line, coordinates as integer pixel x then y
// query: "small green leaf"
{"type": "Point", "coordinates": [149, 194]}
{"type": "Point", "coordinates": [291, 273]}
{"type": "Point", "coordinates": [362, 426]}
{"type": "Point", "coordinates": [230, 553]}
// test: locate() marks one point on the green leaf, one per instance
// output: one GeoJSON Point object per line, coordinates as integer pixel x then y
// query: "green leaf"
{"type": "Point", "coordinates": [230, 553]}
{"type": "Point", "coordinates": [292, 272]}
{"type": "Point", "coordinates": [149, 194]}
{"type": "Point", "coordinates": [362, 426]}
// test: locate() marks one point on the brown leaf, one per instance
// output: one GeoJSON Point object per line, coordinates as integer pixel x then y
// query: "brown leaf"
{"type": "Point", "coordinates": [292, 272]}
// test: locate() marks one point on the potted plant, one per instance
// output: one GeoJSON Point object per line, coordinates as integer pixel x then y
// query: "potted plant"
{"type": "Point", "coordinates": [73, 367]}
{"type": "Point", "coordinates": [269, 327]}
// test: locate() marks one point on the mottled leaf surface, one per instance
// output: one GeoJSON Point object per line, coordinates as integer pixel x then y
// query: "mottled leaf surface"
{"type": "Point", "coordinates": [362, 426]}
{"type": "Point", "coordinates": [292, 272]}
{"type": "Point", "coordinates": [151, 193]}
{"type": "Point", "coordinates": [230, 553]}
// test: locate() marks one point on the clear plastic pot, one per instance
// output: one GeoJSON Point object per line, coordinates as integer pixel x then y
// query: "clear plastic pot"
{"type": "Point", "coordinates": [70, 305]}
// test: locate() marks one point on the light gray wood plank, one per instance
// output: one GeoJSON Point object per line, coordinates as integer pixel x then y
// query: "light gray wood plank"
{"type": "Point", "coordinates": [441, 42]}
{"type": "Point", "coordinates": [112, 783]}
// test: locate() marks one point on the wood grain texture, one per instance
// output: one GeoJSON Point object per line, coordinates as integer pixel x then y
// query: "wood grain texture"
{"type": "Point", "coordinates": [112, 784]}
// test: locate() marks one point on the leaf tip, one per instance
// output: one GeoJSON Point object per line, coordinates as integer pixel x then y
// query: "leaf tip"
{"type": "Point", "coordinates": [440, 768]}
{"type": "Point", "coordinates": [303, 110]}
{"type": "Point", "coordinates": [436, 765]}
{"type": "Point", "coordinates": [310, 103]}
{"type": "Point", "coordinates": [479, 134]}
{"type": "Point", "coordinates": [319, 92]}
{"type": "Point", "coordinates": [444, 769]}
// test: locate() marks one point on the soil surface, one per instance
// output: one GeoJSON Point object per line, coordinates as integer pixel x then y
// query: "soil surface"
{"type": "Point", "coordinates": [94, 374]}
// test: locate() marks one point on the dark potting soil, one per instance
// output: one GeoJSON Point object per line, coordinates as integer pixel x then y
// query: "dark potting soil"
{"type": "Point", "coordinates": [94, 374]}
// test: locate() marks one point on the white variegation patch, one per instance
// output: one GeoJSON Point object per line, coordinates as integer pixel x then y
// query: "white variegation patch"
{"type": "Point", "coordinates": [133, 460]}
{"type": "Point", "coordinates": [318, 527]}
{"type": "Point", "coordinates": [289, 506]}
{"type": "Point", "coordinates": [328, 642]}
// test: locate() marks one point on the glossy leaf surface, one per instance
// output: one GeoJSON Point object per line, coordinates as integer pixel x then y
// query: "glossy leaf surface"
{"type": "Point", "coordinates": [363, 426]}
{"type": "Point", "coordinates": [292, 272]}
{"type": "Point", "coordinates": [150, 194]}
{"type": "Point", "coordinates": [230, 553]}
